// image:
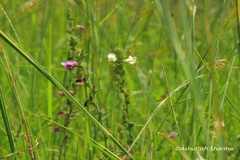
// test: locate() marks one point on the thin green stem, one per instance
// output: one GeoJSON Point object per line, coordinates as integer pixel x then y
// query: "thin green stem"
{"type": "Point", "coordinates": [6, 122]}
{"type": "Point", "coordinates": [238, 25]}
{"type": "Point", "coordinates": [170, 99]}
{"type": "Point", "coordinates": [49, 86]}
{"type": "Point", "coordinates": [185, 83]}
{"type": "Point", "coordinates": [16, 94]}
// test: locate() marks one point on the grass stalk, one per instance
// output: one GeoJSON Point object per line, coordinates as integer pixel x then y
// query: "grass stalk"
{"type": "Point", "coordinates": [6, 122]}
{"type": "Point", "coordinates": [227, 81]}
{"type": "Point", "coordinates": [49, 86]}
{"type": "Point", "coordinates": [18, 99]}
{"type": "Point", "coordinates": [10, 22]}
{"type": "Point", "coordinates": [185, 83]}
{"type": "Point", "coordinates": [238, 23]}
{"type": "Point", "coordinates": [170, 99]}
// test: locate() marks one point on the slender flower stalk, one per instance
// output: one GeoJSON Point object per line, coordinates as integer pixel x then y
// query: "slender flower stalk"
{"type": "Point", "coordinates": [118, 58]}
{"type": "Point", "coordinates": [16, 93]}
{"type": "Point", "coordinates": [69, 65]}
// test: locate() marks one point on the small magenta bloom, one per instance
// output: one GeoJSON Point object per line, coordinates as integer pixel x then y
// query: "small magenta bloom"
{"type": "Point", "coordinates": [80, 81]}
{"type": "Point", "coordinates": [62, 94]}
{"type": "Point", "coordinates": [81, 27]}
{"type": "Point", "coordinates": [61, 113]}
{"type": "Point", "coordinates": [56, 129]}
{"type": "Point", "coordinates": [173, 134]}
{"type": "Point", "coordinates": [69, 65]}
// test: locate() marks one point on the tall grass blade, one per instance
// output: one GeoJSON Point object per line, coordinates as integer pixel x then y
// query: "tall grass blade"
{"type": "Point", "coordinates": [227, 81]}
{"type": "Point", "coordinates": [6, 122]}
{"type": "Point", "coordinates": [185, 83]}
{"type": "Point", "coordinates": [19, 103]}
{"type": "Point", "coordinates": [10, 22]}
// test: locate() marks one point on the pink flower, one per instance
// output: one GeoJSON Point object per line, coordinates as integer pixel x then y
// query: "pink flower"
{"type": "Point", "coordinates": [81, 27]}
{"type": "Point", "coordinates": [56, 129]}
{"type": "Point", "coordinates": [69, 65]}
{"type": "Point", "coordinates": [62, 94]}
{"type": "Point", "coordinates": [71, 92]}
{"type": "Point", "coordinates": [80, 81]}
{"type": "Point", "coordinates": [61, 113]}
{"type": "Point", "coordinates": [173, 134]}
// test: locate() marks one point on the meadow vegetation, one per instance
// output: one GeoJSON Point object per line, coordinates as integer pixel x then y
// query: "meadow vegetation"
{"type": "Point", "coordinates": [119, 79]}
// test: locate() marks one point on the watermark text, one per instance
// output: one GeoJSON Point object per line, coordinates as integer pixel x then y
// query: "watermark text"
{"type": "Point", "coordinates": [204, 148]}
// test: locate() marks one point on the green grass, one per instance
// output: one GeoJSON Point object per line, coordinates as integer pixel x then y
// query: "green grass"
{"type": "Point", "coordinates": [185, 80]}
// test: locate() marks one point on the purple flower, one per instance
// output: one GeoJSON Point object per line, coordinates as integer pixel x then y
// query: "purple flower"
{"type": "Point", "coordinates": [56, 129]}
{"type": "Point", "coordinates": [69, 65]}
{"type": "Point", "coordinates": [80, 81]}
{"type": "Point", "coordinates": [61, 113]}
{"type": "Point", "coordinates": [173, 134]}
{"type": "Point", "coordinates": [81, 27]}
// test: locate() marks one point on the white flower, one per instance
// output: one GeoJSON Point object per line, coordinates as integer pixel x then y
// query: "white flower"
{"type": "Point", "coordinates": [112, 57]}
{"type": "Point", "coordinates": [131, 59]}
{"type": "Point", "coordinates": [219, 124]}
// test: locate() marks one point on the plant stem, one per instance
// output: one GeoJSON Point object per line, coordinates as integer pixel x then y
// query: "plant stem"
{"type": "Point", "coordinates": [14, 85]}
